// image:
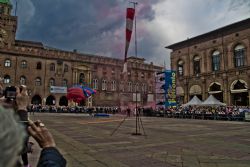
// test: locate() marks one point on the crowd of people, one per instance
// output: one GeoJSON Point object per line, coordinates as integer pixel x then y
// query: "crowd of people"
{"type": "Point", "coordinates": [73, 109]}
{"type": "Point", "coordinates": [192, 112]}
{"type": "Point", "coordinates": [206, 112]}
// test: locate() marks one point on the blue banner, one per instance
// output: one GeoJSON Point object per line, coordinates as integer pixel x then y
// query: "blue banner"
{"type": "Point", "coordinates": [170, 88]}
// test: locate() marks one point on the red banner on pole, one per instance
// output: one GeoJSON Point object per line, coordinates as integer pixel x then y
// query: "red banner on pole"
{"type": "Point", "coordinates": [129, 29]}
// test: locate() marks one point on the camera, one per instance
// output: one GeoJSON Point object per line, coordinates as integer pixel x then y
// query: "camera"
{"type": "Point", "coordinates": [10, 92]}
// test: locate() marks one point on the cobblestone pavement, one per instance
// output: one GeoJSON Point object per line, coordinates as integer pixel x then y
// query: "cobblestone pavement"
{"type": "Point", "coordinates": [86, 141]}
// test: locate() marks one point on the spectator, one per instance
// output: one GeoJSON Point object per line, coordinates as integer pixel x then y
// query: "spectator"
{"type": "Point", "coordinates": [13, 135]}
{"type": "Point", "coordinates": [50, 156]}
{"type": "Point", "coordinates": [11, 138]}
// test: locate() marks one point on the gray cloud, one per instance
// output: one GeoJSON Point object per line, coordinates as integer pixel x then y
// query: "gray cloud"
{"type": "Point", "coordinates": [98, 26]}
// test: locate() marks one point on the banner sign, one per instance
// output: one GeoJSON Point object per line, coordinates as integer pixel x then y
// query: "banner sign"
{"type": "Point", "coordinates": [170, 88]}
{"type": "Point", "coordinates": [160, 91]}
{"type": "Point", "coordinates": [58, 89]}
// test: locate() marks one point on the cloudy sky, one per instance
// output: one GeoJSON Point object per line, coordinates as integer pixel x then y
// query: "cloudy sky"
{"type": "Point", "coordinates": [98, 26]}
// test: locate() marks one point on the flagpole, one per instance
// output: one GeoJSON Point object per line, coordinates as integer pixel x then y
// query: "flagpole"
{"type": "Point", "coordinates": [16, 8]}
{"type": "Point", "coordinates": [137, 132]}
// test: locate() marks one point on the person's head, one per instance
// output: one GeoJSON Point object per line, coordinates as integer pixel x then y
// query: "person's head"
{"type": "Point", "coordinates": [11, 138]}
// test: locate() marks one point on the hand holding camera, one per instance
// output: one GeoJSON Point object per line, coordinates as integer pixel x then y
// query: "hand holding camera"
{"type": "Point", "coordinates": [22, 98]}
{"type": "Point", "coordinates": [14, 97]}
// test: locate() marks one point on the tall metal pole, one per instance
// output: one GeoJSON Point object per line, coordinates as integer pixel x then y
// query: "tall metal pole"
{"type": "Point", "coordinates": [16, 8]}
{"type": "Point", "coordinates": [136, 100]}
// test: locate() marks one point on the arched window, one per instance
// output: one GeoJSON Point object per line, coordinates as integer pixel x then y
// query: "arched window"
{"type": "Point", "coordinates": [38, 81]}
{"type": "Point", "coordinates": [113, 85]}
{"type": "Point", "coordinates": [23, 64]}
{"type": "Point", "coordinates": [95, 84]}
{"type": "Point", "coordinates": [113, 71]}
{"type": "Point", "coordinates": [6, 79]}
{"type": "Point", "coordinates": [23, 80]}
{"type": "Point", "coordinates": [150, 88]}
{"type": "Point", "coordinates": [52, 67]}
{"type": "Point", "coordinates": [66, 68]}
{"type": "Point", "coordinates": [7, 63]}
{"type": "Point", "coordinates": [180, 68]}
{"type": "Point", "coordinates": [216, 61]}
{"type": "Point", "coordinates": [196, 63]}
{"type": "Point", "coordinates": [38, 65]}
{"type": "Point", "coordinates": [52, 82]}
{"type": "Point", "coordinates": [145, 88]}
{"type": "Point", "coordinates": [239, 55]}
{"type": "Point", "coordinates": [104, 84]}
{"type": "Point", "coordinates": [65, 82]}
{"type": "Point", "coordinates": [137, 87]}
{"type": "Point", "coordinates": [142, 75]}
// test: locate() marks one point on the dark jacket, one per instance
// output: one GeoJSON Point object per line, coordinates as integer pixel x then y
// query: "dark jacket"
{"type": "Point", "coordinates": [51, 157]}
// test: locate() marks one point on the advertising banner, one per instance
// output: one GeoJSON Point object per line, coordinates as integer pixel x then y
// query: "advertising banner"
{"type": "Point", "coordinates": [170, 88]}
{"type": "Point", "coordinates": [58, 89]}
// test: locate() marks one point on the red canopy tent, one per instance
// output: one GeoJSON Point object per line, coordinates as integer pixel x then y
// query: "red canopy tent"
{"type": "Point", "coordinates": [75, 94]}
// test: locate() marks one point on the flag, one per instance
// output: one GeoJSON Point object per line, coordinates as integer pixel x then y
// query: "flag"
{"type": "Point", "coordinates": [129, 28]}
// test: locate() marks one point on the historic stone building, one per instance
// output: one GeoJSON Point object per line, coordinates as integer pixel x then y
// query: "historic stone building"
{"type": "Point", "coordinates": [44, 69]}
{"type": "Point", "coordinates": [217, 62]}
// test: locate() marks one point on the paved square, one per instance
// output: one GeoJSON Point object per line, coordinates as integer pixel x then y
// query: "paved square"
{"type": "Point", "coordinates": [86, 141]}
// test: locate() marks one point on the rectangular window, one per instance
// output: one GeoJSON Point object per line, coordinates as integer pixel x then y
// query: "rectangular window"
{"type": "Point", "coordinates": [95, 84]}
{"type": "Point", "coordinates": [130, 87]}
{"type": "Point", "coordinates": [180, 70]}
{"type": "Point", "coordinates": [113, 86]}
{"type": "Point", "coordinates": [216, 63]}
{"type": "Point", "coordinates": [239, 57]}
{"type": "Point", "coordinates": [104, 85]}
{"type": "Point", "coordinates": [197, 67]}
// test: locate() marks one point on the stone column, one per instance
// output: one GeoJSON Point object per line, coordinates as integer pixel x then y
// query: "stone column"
{"type": "Point", "coordinates": [74, 77]}
{"type": "Point", "coordinates": [204, 96]}
{"type": "Point", "coordinates": [186, 91]}
{"type": "Point", "coordinates": [226, 91]}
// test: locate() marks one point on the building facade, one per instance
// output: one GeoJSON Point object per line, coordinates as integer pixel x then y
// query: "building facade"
{"type": "Point", "coordinates": [217, 62]}
{"type": "Point", "coordinates": [43, 68]}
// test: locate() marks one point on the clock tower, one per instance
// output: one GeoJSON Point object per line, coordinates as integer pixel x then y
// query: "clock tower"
{"type": "Point", "coordinates": [8, 24]}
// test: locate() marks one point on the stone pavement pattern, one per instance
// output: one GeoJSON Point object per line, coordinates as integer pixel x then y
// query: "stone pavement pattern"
{"type": "Point", "coordinates": [86, 141]}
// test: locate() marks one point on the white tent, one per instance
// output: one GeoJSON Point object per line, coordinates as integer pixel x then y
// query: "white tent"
{"type": "Point", "coordinates": [194, 101]}
{"type": "Point", "coordinates": [212, 101]}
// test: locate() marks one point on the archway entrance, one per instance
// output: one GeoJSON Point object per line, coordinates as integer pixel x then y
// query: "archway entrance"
{"type": "Point", "coordinates": [36, 100]}
{"type": "Point", "coordinates": [63, 101]}
{"type": "Point", "coordinates": [195, 90]}
{"type": "Point", "coordinates": [239, 93]}
{"type": "Point", "coordinates": [215, 90]}
{"type": "Point", "coordinates": [50, 100]}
